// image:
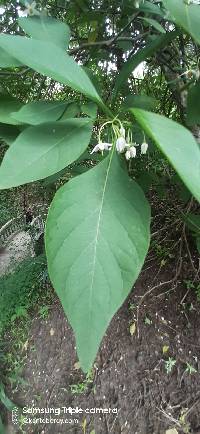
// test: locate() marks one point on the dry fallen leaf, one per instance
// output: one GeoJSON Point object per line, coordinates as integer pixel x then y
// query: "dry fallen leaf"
{"type": "Point", "coordinates": [132, 329]}
{"type": "Point", "coordinates": [171, 431]}
{"type": "Point", "coordinates": [52, 332]}
{"type": "Point", "coordinates": [77, 365]}
{"type": "Point", "coordinates": [25, 346]}
{"type": "Point", "coordinates": [165, 349]}
{"type": "Point", "coordinates": [84, 424]}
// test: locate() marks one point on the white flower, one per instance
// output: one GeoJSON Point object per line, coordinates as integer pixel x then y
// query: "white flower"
{"type": "Point", "coordinates": [122, 131]}
{"type": "Point", "coordinates": [196, 73]}
{"type": "Point", "coordinates": [120, 144]}
{"type": "Point", "coordinates": [137, 4]}
{"type": "Point", "coordinates": [144, 147]}
{"type": "Point", "coordinates": [192, 73]}
{"type": "Point", "coordinates": [131, 152]}
{"type": "Point", "coordinates": [102, 147]}
{"type": "Point", "coordinates": [31, 9]}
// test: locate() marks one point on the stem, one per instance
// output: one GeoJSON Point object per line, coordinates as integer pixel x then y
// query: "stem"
{"type": "Point", "coordinates": [106, 110]}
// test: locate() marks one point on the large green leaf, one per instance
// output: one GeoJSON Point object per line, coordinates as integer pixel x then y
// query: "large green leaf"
{"type": "Point", "coordinates": [38, 112]}
{"type": "Point", "coordinates": [50, 60]}
{"type": "Point", "coordinates": [7, 61]}
{"type": "Point", "coordinates": [154, 24]}
{"type": "Point", "coordinates": [72, 110]}
{"type": "Point", "coordinates": [193, 222]}
{"type": "Point", "coordinates": [46, 29]}
{"type": "Point", "coordinates": [151, 8]}
{"type": "Point", "coordinates": [144, 102]}
{"type": "Point", "coordinates": [177, 143]}
{"type": "Point", "coordinates": [8, 105]}
{"type": "Point", "coordinates": [193, 105]}
{"type": "Point", "coordinates": [90, 109]}
{"type": "Point", "coordinates": [97, 236]}
{"type": "Point", "coordinates": [157, 44]}
{"type": "Point", "coordinates": [186, 16]}
{"type": "Point", "coordinates": [8, 133]}
{"type": "Point", "coordinates": [43, 150]}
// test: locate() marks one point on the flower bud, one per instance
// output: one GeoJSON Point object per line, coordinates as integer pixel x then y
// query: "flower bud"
{"type": "Point", "coordinates": [144, 148]}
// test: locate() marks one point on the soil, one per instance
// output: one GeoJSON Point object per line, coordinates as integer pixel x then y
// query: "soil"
{"type": "Point", "coordinates": [130, 372]}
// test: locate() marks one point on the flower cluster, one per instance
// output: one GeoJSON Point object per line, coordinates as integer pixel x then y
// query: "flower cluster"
{"type": "Point", "coordinates": [123, 145]}
{"type": "Point", "coordinates": [137, 3]}
{"type": "Point", "coordinates": [31, 9]}
{"type": "Point", "coordinates": [193, 73]}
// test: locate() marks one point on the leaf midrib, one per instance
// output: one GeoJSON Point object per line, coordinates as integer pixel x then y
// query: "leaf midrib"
{"type": "Point", "coordinates": [97, 233]}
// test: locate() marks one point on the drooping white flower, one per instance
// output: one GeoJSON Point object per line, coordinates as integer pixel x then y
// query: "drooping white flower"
{"type": "Point", "coordinates": [107, 146]}
{"type": "Point", "coordinates": [120, 144]}
{"type": "Point", "coordinates": [101, 147]}
{"type": "Point", "coordinates": [122, 132]}
{"type": "Point", "coordinates": [144, 147]}
{"type": "Point", "coordinates": [130, 153]}
{"type": "Point", "coordinates": [31, 9]}
{"type": "Point", "coordinates": [191, 73]}
{"type": "Point", "coordinates": [196, 73]}
{"type": "Point", "coordinates": [137, 4]}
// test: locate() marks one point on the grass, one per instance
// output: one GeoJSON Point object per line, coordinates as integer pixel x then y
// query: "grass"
{"type": "Point", "coordinates": [169, 364]}
{"type": "Point", "coordinates": [82, 387]}
{"type": "Point", "coordinates": [20, 293]}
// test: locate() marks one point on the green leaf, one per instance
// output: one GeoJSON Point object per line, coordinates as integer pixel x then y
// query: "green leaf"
{"type": "Point", "coordinates": [154, 24]}
{"type": "Point", "coordinates": [4, 399]}
{"type": "Point", "coordinates": [159, 43]}
{"type": "Point", "coordinates": [8, 133]}
{"type": "Point", "coordinates": [46, 29]}
{"type": "Point", "coordinates": [95, 256]}
{"type": "Point", "coordinates": [193, 105]}
{"type": "Point", "coordinates": [90, 109]}
{"type": "Point", "coordinates": [8, 105]}
{"type": "Point", "coordinates": [72, 110]}
{"type": "Point", "coordinates": [151, 8]}
{"type": "Point", "coordinates": [181, 190]}
{"type": "Point", "coordinates": [177, 143]}
{"type": "Point", "coordinates": [140, 101]}
{"type": "Point", "coordinates": [186, 16]}
{"type": "Point", "coordinates": [43, 150]}
{"type": "Point", "coordinates": [49, 60]}
{"type": "Point", "coordinates": [193, 222]}
{"type": "Point", "coordinates": [53, 178]}
{"type": "Point", "coordinates": [94, 79]}
{"type": "Point", "coordinates": [38, 112]}
{"type": "Point", "coordinates": [7, 61]}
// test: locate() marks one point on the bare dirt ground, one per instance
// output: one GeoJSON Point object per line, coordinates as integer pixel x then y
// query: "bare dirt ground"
{"type": "Point", "coordinates": [152, 376]}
